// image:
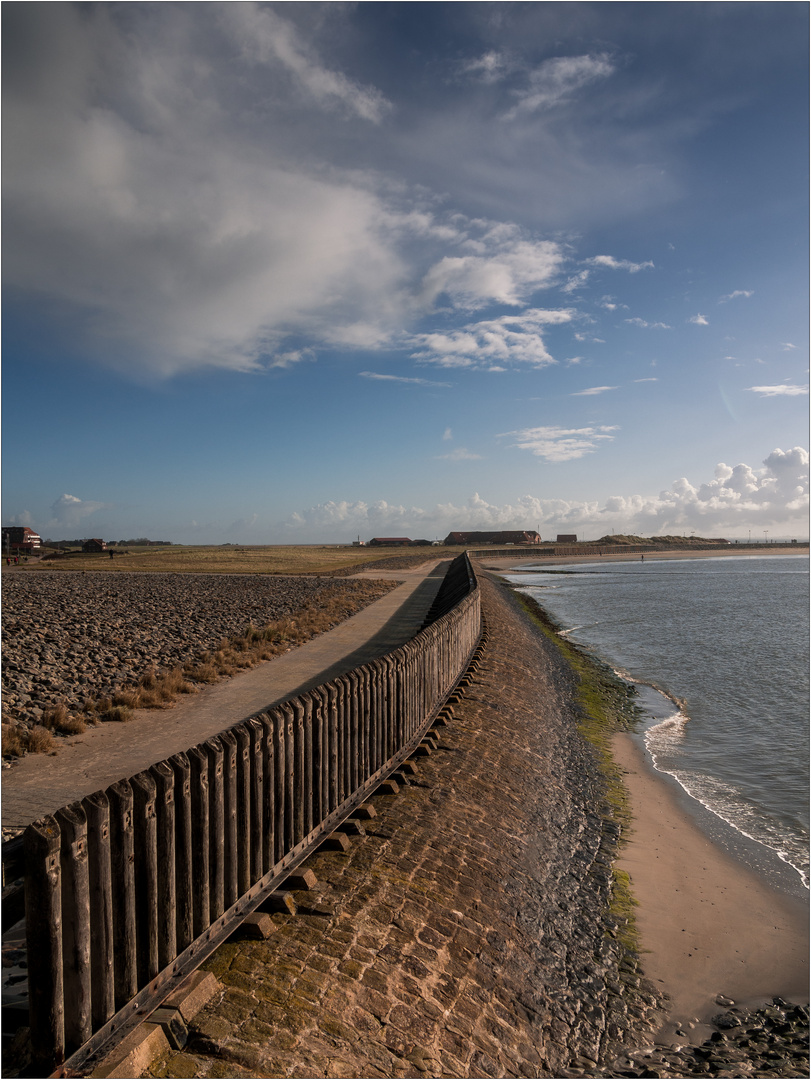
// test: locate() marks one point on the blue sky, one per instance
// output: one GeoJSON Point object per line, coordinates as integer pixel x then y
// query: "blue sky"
{"type": "Point", "coordinates": [294, 273]}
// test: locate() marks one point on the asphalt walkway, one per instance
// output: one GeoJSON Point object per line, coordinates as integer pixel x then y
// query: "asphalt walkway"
{"type": "Point", "coordinates": [37, 785]}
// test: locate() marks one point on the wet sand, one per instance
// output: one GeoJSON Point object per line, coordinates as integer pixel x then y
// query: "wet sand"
{"type": "Point", "coordinates": [709, 926]}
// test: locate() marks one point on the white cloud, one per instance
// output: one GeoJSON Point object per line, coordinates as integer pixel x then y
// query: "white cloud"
{"type": "Point", "coordinates": [400, 379]}
{"type": "Point", "coordinates": [447, 435]}
{"type": "Point", "coordinates": [555, 81]}
{"type": "Point", "coordinates": [69, 510]}
{"type": "Point", "coordinates": [510, 339]}
{"type": "Point", "coordinates": [460, 454]}
{"type": "Point", "coordinates": [502, 267]}
{"type": "Point", "coordinates": [636, 321]}
{"type": "Point", "coordinates": [650, 379]}
{"type": "Point", "coordinates": [267, 39]}
{"type": "Point", "coordinates": [699, 320]}
{"type": "Point", "coordinates": [736, 500]}
{"type": "Point", "coordinates": [560, 444]}
{"type": "Point", "coordinates": [619, 264]}
{"type": "Point", "coordinates": [593, 390]}
{"type": "Point", "coordinates": [487, 68]}
{"type": "Point", "coordinates": [734, 295]}
{"type": "Point", "coordinates": [787, 346]}
{"type": "Point", "coordinates": [576, 282]}
{"type": "Point", "coordinates": [781, 390]}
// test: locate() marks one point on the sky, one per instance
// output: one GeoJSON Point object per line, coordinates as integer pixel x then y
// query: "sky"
{"type": "Point", "coordinates": [308, 272]}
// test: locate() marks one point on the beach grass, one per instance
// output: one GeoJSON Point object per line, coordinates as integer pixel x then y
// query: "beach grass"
{"type": "Point", "coordinates": [230, 559]}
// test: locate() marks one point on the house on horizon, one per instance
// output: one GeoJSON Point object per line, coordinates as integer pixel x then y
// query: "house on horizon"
{"type": "Point", "coordinates": [94, 546]}
{"type": "Point", "coordinates": [389, 541]}
{"type": "Point", "coordinates": [521, 536]}
{"type": "Point", "coordinates": [566, 538]}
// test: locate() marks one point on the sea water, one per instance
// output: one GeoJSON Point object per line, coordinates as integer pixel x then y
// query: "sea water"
{"type": "Point", "coordinates": [718, 650]}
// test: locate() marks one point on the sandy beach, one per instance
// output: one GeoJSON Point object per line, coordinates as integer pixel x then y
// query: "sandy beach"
{"type": "Point", "coordinates": [709, 926]}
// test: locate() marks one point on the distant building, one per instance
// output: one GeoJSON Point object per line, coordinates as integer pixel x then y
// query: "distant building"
{"type": "Point", "coordinates": [566, 538]}
{"type": "Point", "coordinates": [20, 538]}
{"type": "Point", "coordinates": [508, 537]}
{"type": "Point", "coordinates": [94, 546]}
{"type": "Point", "coordinates": [389, 541]}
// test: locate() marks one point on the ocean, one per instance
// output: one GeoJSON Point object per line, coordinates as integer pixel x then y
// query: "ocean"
{"type": "Point", "coordinates": [718, 650]}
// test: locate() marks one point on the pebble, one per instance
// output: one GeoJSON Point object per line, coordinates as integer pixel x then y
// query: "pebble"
{"type": "Point", "coordinates": [70, 636]}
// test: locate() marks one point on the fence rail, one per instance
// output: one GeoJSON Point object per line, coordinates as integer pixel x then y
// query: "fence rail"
{"type": "Point", "coordinates": [129, 889]}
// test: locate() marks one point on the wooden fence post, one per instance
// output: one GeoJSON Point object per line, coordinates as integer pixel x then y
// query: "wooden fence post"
{"type": "Point", "coordinates": [298, 770]}
{"type": "Point", "coordinates": [102, 992]}
{"type": "Point", "coordinates": [308, 766]}
{"type": "Point", "coordinates": [122, 858]}
{"type": "Point", "coordinates": [280, 773]}
{"type": "Point", "coordinates": [43, 928]}
{"type": "Point", "coordinates": [229, 781]}
{"type": "Point", "coordinates": [243, 808]}
{"type": "Point", "coordinates": [216, 828]}
{"type": "Point", "coordinates": [184, 927]}
{"type": "Point", "coordinates": [201, 893]}
{"type": "Point", "coordinates": [256, 833]}
{"type": "Point", "coordinates": [164, 779]}
{"type": "Point", "coordinates": [146, 876]}
{"type": "Point", "coordinates": [268, 793]}
{"type": "Point", "coordinates": [289, 784]}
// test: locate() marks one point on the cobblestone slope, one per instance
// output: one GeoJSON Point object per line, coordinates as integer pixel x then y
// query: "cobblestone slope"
{"type": "Point", "coordinates": [467, 933]}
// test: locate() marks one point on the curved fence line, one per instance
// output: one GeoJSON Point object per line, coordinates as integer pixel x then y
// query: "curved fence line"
{"type": "Point", "coordinates": [129, 889]}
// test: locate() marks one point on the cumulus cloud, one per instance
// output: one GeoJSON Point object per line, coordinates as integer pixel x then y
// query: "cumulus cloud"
{"type": "Point", "coordinates": [737, 498]}
{"type": "Point", "coordinates": [487, 68]}
{"type": "Point", "coordinates": [560, 444]}
{"type": "Point", "coordinates": [510, 339]}
{"type": "Point", "coordinates": [556, 81]}
{"type": "Point", "coordinates": [618, 264]}
{"type": "Point", "coordinates": [501, 266]}
{"type": "Point", "coordinates": [699, 320]}
{"type": "Point", "coordinates": [593, 390]}
{"type": "Point", "coordinates": [69, 510]}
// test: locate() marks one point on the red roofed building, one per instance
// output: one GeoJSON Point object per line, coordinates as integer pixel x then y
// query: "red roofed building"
{"type": "Point", "coordinates": [389, 541]}
{"type": "Point", "coordinates": [21, 538]}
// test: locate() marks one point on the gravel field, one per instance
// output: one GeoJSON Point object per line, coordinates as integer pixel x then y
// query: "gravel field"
{"type": "Point", "coordinates": [67, 637]}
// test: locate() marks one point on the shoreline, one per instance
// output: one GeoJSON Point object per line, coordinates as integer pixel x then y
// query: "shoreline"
{"type": "Point", "coordinates": [708, 924]}
{"type": "Point", "coordinates": [713, 929]}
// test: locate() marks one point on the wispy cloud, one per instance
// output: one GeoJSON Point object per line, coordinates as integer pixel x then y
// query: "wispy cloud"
{"type": "Point", "coordinates": [267, 39]}
{"type": "Point", "coordinates": [734, 295]}
{"type": "Point", "coordinates": [510, 339]}
{"type": "Point", "coordinates": [781, 390]}
{"type": "Point", "coordinates": [611, 263]}
{"type": "Point", "coordinates": [557, 80]}
{"type": "Point", "coordinates": [400, 379]}
{"type": "Point", "coordinates": [651, 378]}
{"type": "Point", "coordinates": [699, 320]}
{"type": "Point", "coordinates": [787, 346]}
{"type": "Point", "coordinates": [447, 435]}
{"type": "Point", "coordinates": [459, 454]}
{"type": "Point", "coordinates": [560, 444]}
{"type": "Point", "coordinates": [636, 321]}
{"type": "Point", "coordinates": [487, 68]}
{"type": "Point", "coordinates": [593, 390]}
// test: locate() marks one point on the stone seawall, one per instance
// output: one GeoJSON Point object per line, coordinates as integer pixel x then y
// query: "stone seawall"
{"type": "Point", "coordinates": [467, 933]}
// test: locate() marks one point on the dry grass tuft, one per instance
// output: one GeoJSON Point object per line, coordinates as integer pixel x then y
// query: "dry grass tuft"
{"type": "Point", "coordinates": [39, 740]}
{"type": "Point", "coordinates": [13, 742]}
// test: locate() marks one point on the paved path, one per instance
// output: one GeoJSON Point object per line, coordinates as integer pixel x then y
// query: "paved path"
{"type": "Point", "coordinates": [38, 785]}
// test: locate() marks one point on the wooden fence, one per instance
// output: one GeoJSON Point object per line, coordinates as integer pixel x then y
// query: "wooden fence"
{"type": "Point", "coordinates": [129, 889]}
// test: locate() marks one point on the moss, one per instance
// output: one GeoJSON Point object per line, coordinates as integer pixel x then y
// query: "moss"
{"type": "Point", "coordinates": [606, 706]}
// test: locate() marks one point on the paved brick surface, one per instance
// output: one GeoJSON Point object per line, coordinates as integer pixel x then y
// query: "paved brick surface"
{"type": "Point", "coordinates": [37, 784]}
{"type": "Point", "coordinates": [464, 934]}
